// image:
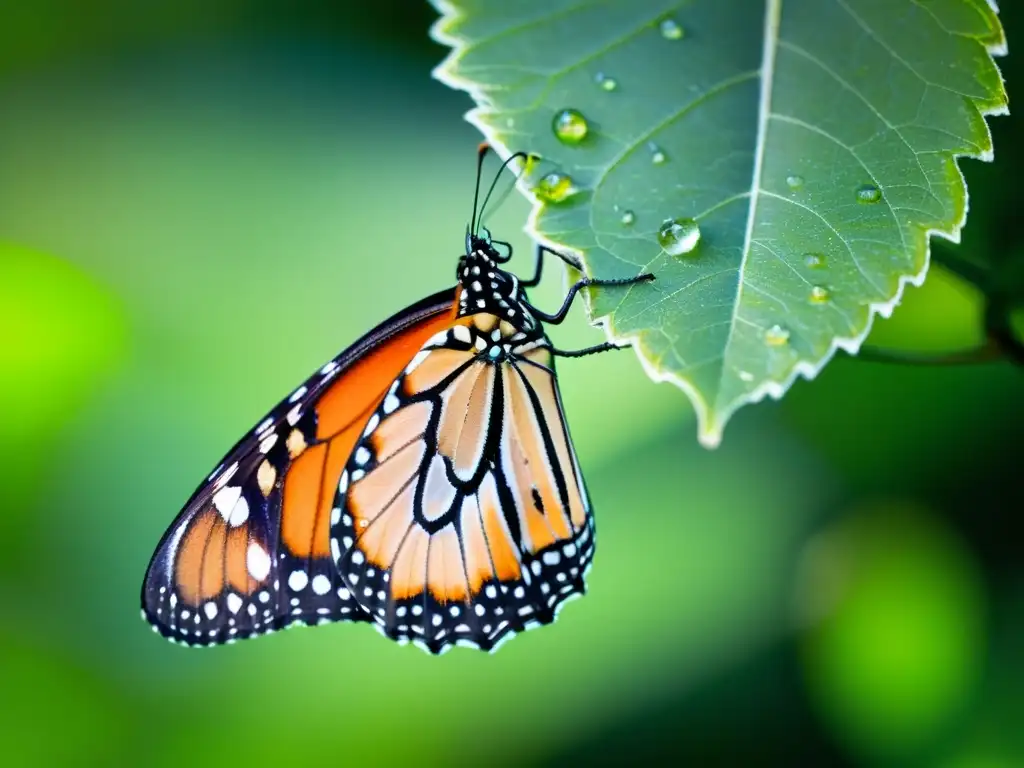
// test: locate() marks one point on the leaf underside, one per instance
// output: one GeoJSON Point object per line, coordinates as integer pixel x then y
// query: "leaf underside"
{"type": "Point", "coordinates": [771, 125]}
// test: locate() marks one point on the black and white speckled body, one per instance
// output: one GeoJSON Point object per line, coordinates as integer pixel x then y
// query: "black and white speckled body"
{"type": "Point", "coordinates": [486, 288]}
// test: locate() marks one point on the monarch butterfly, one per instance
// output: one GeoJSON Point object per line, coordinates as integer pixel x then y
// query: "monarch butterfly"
{"type": "Point", "coordinates": [423, 481]}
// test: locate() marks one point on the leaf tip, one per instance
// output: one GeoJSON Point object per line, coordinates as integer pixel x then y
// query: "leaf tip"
{"type": "Point", "coordinates": [710, 437]}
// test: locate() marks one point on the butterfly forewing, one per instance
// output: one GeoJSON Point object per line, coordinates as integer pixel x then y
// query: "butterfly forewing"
{"type": "Point", "coordinates": [250, 551]}
{"type": "Point", "coordinates": [461, 517]}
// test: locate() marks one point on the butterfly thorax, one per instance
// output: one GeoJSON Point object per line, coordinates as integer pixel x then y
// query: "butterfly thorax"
{"type": "Point", "coordinates": [487, 288]}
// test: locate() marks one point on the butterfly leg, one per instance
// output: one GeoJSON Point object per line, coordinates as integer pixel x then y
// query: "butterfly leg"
{"type": "Point", "coordinates": [606, 347]}
{"type": "Point", "coordinates": [541, 250]}
{"type": "Point", "coordinates": [508, 245]}
{"type": "Point", "coordinates": [559, 316]}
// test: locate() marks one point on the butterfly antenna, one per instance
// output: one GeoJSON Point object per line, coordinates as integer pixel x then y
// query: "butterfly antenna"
{"type": "Point", "coordinates": [481, 153]}
{"type": "Point", "coordinates": [497, 176]}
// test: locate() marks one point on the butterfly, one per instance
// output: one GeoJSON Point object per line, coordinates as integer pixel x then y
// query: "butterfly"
{"type": "Point", "coordinates": [423, 481]}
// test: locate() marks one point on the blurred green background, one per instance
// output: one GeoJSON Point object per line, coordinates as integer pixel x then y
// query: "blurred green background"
{"type": "Point", "coordinates": [201, 202]}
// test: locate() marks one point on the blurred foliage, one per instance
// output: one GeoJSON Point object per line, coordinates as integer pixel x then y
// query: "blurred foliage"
{"type": "Point", "coordinates": [895, 606]}
{"type": "Point", "coordinates": [60, 331]}
{"type": "Point", "coordinates": [200, 214]}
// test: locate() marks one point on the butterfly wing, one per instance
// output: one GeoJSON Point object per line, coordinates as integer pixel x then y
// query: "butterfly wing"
{"type": "Point", "coordinates": [250, 552]}
{"type": "Point", "coordinates": [461, 515]}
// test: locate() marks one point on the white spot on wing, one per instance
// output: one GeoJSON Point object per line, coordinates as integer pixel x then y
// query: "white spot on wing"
{"type": "Point", "coordinates": [240, 513]}
{"type": "Point", "coordinates": [257, 561]}
{"type": "Point", "coordinates": [321, 584]}
{"type": "Point", "coordinates": [298, 394]}
{"type": "Point", "coordinates": [414, 363]}
{"type": "Point", "coordinates": [226, 498]}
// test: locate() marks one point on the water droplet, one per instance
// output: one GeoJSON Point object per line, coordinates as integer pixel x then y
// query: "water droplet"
{"type": "Point", "coordinates": [670, 29]}
{"type": "Point", "coordinates": [794, 182]}
{"type": "Point", "coordinates": [869, 193]}
{"type": "Point", "coordinates": [679, 236]}
{"type": "Point", "coordinates": [554, 188]}
{"type": "Point", "coordinates": [814, 260]}
{"type": "Point", "coordinates": [776, 336]}
{"type": "Point", "coordinates": [606, 82]}
{"type": "Point", "coordinates": [657, 155]}
{"type": "Point", "coordinates": [746, 376]}
{"type": "Point", "coordinates": [820, 294]}
{"type": "Point", "coordinates": [570, 126]}
{"type": "Point", "coordinates": [628, 217]}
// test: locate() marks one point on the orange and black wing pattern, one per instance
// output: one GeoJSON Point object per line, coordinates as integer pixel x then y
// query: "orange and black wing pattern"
{"type": "Point", "coordinates": [461, 516]}
{"type": "Point", "coordinates": [250, 552]}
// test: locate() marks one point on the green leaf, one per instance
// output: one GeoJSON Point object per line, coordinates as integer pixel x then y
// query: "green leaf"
{"type": "Point", "coordinates": [814, 143]}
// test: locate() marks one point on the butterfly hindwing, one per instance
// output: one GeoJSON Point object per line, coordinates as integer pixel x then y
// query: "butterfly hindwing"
{"type": "Point", "coordinates": [461, 516]}
{"type": "Point", "coordinates": [250, 551]}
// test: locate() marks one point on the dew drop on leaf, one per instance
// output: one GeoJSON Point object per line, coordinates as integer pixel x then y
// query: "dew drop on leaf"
{"type": "Point", "coordinates": [820, 294]}
{"type": "Point", "coordinates": [679, 236]}
{"type": "Point", "coordinates": [869, 193]}
{"type": "Point", "coordinates": [554, 188]}
{"type": "Point", "coordinates": [606, 82]}
{"type": "Point", "coordinates": [746, 376]}
{"type": "Point", "coordinates": [814, 260]}
{"type": "Point", "coordinates": [570, 126]}
{"type": "Point", "coordinates": [670, 29]}
{"type": "Point", "coordinates": [657, 155]}
{"type": "Point", "coordinates": [794, 182]}
{"type": "Point", "coordinates": [628, 217]}
{"type": "Point", "coordinates": [776, 336]}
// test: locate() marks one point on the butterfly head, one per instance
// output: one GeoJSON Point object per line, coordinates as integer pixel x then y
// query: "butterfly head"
{"type": "Point", "coordinates": [486, 287]}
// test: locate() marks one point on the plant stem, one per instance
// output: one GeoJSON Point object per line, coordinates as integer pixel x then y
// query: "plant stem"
{"type": "Point", "coordinates": [985, 353]}
{"type": "Point", "coordinates": [972, 272]}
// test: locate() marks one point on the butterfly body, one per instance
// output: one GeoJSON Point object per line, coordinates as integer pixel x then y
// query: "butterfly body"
{"type": "Point", "coordinates": [424, 481]}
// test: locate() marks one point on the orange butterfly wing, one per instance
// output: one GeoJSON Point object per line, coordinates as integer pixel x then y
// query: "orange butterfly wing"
{"type": "Point", "coordinates": [250, 551]}
{"type": "Point", "coordinates": [461, 516]}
